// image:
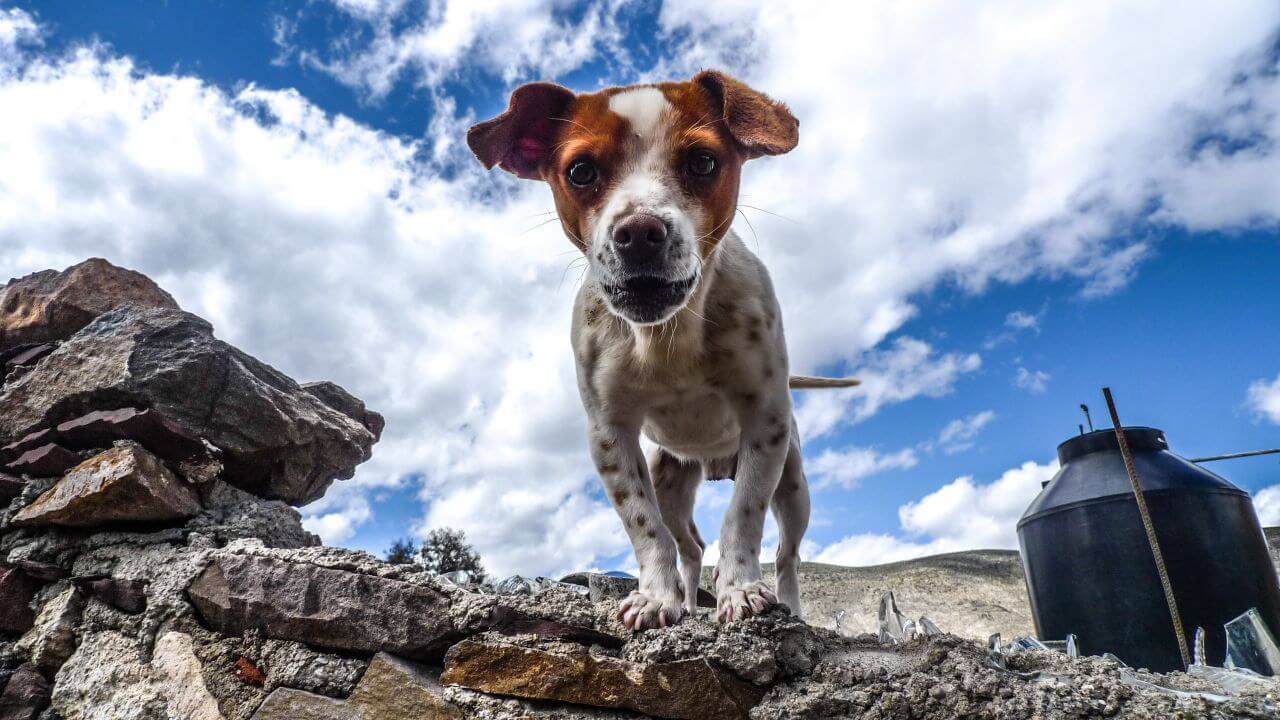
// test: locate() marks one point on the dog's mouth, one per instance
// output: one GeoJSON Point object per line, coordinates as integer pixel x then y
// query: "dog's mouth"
{"type": "Point", "coordinates": [648, 299]}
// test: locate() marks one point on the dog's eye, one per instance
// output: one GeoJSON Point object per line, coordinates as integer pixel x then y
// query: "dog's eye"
{"type": "Point", "coordinates": [582, 173]}
{"type": "Point", "coordinates": [702, 164]}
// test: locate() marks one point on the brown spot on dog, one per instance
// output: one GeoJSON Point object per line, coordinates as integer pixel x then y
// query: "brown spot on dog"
{"type": "Point", "coordinates": [748, 398]}
{"type": "Point", "coordinates": [774, 419]}
{"type": "Point", "coordinates": [763, 505]}
{"type": "Point", "coordinates": [753, 336]}
{"type": "Point", "coordinates": [608, 468]}
{"type": "Point", "coordinates": [620, 497]}
{"type": "Point", "coordinates": [652, 534]}
{"type": "Point", "coordinates": [641, 520]}
{"type": "Point", "coordinates": [777, 438]}
{"type": "Point", "coordinates": [768, 372]}
{"type": "Point", "coordinates": [755, 445]}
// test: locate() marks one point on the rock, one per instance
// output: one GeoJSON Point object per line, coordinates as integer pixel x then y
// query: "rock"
{"type": "Point", "coordinates": [692, 689]}
{"type": "Point", "coordinates": [44, 461]}
{"type": "Point", "coordinates": [17, 590]}
{"type": "Point", "coordinates": [107, 678]}
{"type": "Point", "coordinates": [127, 596]}
{"type": "Point", "coordinates": [393, 688]}
{"type": "Point", "coordinates": [102, 428]}
{"type": "Point", "coordinates": [123, 484]}
{"type": "Point", "coordinates": [25, 695]}
{"type": "Point", "coordinates": [294, 665]}
{"type": "Point", "coordinates": [491, 707]}
{"type": "Point", "coordinates": [52, 305]}
{"type": "Point", "coordinates": [278, 440]}
{"type": "Point", "coordinates": [325, 608]}
{"type": "Point", "coordinates": [52, 639]}
{"type": "Point", "coordinates": [10, 487]}
{"type": "Point", "coordinates": [174, 660]}
{"type": "Point", "coordinates": [28, 354]}
{"type": "Point", "coordinates": [336, 397]}
{"type": "Point", "coordinates": [288, 704]}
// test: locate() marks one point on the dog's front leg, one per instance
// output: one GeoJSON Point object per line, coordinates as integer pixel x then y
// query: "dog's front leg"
{"type": "Point", "coordinates": [658, 602]}
{"type": "Point", "coordinates": [766, 432]}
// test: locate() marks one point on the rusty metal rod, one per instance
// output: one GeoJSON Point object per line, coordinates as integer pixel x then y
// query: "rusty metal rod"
{"type": "Point", "coordinates": [1150, 528]}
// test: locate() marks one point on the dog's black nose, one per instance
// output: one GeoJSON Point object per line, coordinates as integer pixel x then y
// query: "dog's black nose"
{"type": "Point", "coordinates": [640, 239]}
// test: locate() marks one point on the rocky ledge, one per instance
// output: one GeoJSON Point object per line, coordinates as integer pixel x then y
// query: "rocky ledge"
{"type": "Point", "coordinates": [151, 567]}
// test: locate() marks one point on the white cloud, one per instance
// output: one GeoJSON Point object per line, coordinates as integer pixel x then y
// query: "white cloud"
{"type": "Point", "coordinates": [428, 45]}
{"type": "Point", "coordinates": [1264, 399]}
{"type": "Point", "coordinates": [1033, 381]}
{"type": "Point", "coordinates": [958, 434]}
{"type": "Point", "coordinates": [961, 515]}
{"type": "Point", "coordinates": [907, 369]}
{"type": "Point", "coordinates": [1267, 503]}
{"type": "Point", "coordinates": [1022, 320]}
{"type": "Point", "coordinates": [849, 466]}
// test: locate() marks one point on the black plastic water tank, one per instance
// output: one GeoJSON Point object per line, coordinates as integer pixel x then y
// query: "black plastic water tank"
{"type": "Point", "coordinates": [1089, 568]}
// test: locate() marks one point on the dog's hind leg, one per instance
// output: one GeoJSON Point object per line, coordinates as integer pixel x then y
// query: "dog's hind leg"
{"type": "Point", "coordinates": [676, 484]}
{"type": "Point", "coordinates": [791, 509]}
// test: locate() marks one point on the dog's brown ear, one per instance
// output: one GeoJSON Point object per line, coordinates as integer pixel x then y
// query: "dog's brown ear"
{"type": "Point", "coordinates": [761, 124]}
{"type": "Point", "coordinates": [520, 139]}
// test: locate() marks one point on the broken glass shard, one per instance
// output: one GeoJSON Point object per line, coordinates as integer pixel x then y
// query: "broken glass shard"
{"type": "Point", "coordinates": [1234, 681]}
{"type": "Point", "coordinates": [1026, 642]}
{"type": "Point", "coordinates": [927, 627]}
{"type": "Point", "coordinates": [1073, 646]}
{"type": "Point", "coordinates": [1114, 659]}
{"type": "Point", "coordinates": [461, 578]}
{"type": "Point", "coordinates": [1198, 655]}
{"type": "Point", "coordinates": [516, 585]}
{"type": "Point", "coordinates": [840, 619]}
{"type": "Point", "coordinates": [995, 652]}
{"type": "Point", "coordinates": [1250, 644]}
{"type": "Point", "coordinates": [892, 622]}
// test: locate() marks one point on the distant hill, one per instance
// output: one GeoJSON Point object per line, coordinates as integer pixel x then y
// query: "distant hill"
{"type": "Point", "coordinates": [971, 594]}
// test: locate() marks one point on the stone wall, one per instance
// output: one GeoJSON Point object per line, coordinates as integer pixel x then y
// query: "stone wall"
{"type": "Point", "coordinates": [152, 567]}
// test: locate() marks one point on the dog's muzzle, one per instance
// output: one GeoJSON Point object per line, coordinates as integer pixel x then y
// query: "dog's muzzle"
{"type": "Point", "coordinates": [647, 299]}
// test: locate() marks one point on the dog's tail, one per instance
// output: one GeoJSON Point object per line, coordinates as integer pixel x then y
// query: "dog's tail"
{"type": "Point", "coordinates": [809, 382]}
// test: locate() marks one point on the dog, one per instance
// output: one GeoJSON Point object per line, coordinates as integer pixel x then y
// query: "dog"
{"type": "Point", "coordinates": [676, 329]}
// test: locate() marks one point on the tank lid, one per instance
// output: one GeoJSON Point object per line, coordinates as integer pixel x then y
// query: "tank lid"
{"type": "Point", "coordinates": [1139, 438]}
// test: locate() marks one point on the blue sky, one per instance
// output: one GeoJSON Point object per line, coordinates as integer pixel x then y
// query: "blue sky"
{"type": "Point", "coordinates": [994, 213]}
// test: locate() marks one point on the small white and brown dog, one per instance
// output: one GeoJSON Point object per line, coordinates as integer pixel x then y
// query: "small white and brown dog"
{"type": "Point", "coordinates": [676, 329]}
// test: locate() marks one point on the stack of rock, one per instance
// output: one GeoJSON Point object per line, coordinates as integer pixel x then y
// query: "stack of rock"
{"type": "Point", "coordinates": [152, 567]}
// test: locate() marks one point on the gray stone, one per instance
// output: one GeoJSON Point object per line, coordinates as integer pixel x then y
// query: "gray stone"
{"type": "Point", "coordinates": [277, 440]}
{"type": "Point", "coordinates": [181, 679]}
{"type": "Point", "coordinates": [127, 596]}
{"type": "Point", "coordinates": [124, 484]}
{"type": "Point", "coordinates": [393, 688]}
{"type": "Point", "coordinates": [25, 695]}
{"type": "Point", "coordinates": [325, 608]}
{"type": "Point", "coordinates": [336, 397]}
{"type": "Point", "coordinates": [109, 678]}
{"type": "Point", "coordinates": [289, 704]}
{"type": "Point", "coordinates": [52, 639]}
{"type": "Point", "coordinates": [294, 665]}
{"type": "Point", "coordinates": [17, 590]}
{"type": "Point", "coordinates": [52, 305]}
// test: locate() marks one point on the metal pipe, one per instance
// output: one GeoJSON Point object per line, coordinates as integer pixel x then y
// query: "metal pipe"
{"type": "Point", "coordinates": [1233, 456]}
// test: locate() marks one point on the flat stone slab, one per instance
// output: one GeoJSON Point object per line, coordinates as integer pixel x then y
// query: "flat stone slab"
{"type": "Point", "coordinates": [322, 607]}
{"type": "Point", "coordinates": [391, 689]}
{"type": "Point", "coordinates": [10, 487]}
{"type": "Point", "coordinates": [124, 484]}
{"type": "Point", "coordinates": [48, 460]}
{"type": "Point", "coordinates": [693, 689]}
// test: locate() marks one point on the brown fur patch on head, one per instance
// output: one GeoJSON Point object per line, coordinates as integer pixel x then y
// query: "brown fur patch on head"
{"type": "Point", "coordinates": [762, 125]}
{"type": "Point", "coordinates": [520, 139]}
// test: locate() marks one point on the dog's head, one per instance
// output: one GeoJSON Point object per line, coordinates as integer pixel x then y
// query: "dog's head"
{"type": "Point", "coordinates": [645, 177]}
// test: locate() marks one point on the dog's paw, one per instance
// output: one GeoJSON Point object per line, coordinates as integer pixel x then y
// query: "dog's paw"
{"type": "Point", "coordinates": [639, 611]}
{"type": "Point", "coordinates": [740, 601]}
